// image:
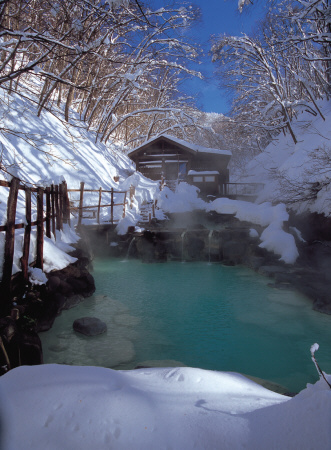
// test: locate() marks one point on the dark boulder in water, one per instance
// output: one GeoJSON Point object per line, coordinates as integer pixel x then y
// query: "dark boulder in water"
{"type": "Point", "coordinates": [89, 326]}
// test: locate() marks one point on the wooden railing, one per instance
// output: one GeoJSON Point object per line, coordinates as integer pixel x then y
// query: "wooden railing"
{"type": "Point", "coordinates": [57, 213]}
{"type": "Point", "coordinates": [97, 208]}
{"type": "Point", "coordinates": [53, 210]}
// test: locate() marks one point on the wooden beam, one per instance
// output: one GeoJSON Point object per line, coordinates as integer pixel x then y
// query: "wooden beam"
{"type": "Point", "coordinates": [48, 212]}
{"type": "Point", "coordinates": [81, 200]}
{"type": "Point", "coordinates": [27, 235]}
{"type": "Point", "coordinates": [40, 229]}
{"type": "Point", "coordinates": [10, 236]}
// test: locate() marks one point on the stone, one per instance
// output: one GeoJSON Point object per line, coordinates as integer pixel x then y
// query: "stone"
{"type": "Point", "coordinates": [53, 283]}
{"type": "Point", "coordinates": [271, 271]}
{"type": "Point", "coordinates": [89, 326]}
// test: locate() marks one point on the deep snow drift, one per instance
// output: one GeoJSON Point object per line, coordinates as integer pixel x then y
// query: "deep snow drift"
{"type": "Point", "coordinates": [64, 407]}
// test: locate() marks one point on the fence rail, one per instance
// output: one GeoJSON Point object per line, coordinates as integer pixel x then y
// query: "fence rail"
{"type": "Point", "coordinates": [57, 212]}
{"type": "Point", "coordinates": [97, 208]}
{"type": "Point", "coordinates": [53, 210]}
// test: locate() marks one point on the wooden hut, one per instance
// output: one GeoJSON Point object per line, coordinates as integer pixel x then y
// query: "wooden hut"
{"type": "Point", "coordinates": [173, 159]}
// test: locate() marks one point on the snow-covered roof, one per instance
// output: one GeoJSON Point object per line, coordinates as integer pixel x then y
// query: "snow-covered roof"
{"type": "Point", "coordinates": [188, 145]}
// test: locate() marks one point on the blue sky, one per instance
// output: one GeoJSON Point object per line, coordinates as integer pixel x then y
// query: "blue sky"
{"type": "Point", "coordinates": [218, 17]}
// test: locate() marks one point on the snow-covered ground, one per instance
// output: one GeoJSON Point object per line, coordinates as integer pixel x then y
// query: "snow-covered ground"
{"type": "Point", "coordinates": [45, 150]}
{"type": "Point", "coordinates": [64, 407]}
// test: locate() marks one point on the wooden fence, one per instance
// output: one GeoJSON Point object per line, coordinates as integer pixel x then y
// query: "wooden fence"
{"type": "Point", "coordinates": [56, 202]}
{"type": "Point", "coordinates": [53, 210]}
{"type": "Point", "coordinates": [96, 208]}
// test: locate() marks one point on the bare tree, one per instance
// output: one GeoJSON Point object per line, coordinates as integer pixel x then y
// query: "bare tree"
{"type": "Point", "coordinates": [270, 77]}
{"type": "Point", "coordinates": [118, 64]}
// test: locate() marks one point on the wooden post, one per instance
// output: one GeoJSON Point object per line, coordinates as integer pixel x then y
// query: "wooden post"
{"type": "Point", "coordinates": [48, 212]}
{"type": "Point", "coordinates": [149, 218]}
{"type": "Point", "coordinates": [61, 206]}
{"type": "Point", "coordinates": [112, 206]}
{"type": "Point", "coordinates": [153, 210]}
{"type": "Point", "coordinates": [64, 203]}
{"type": "Point", "coordinates": [132, 192]}
{"type": "Point", "coordinates": [100, 194]}
{"type": "Point", "coordinates": [10, 236]}
{"type": "Point", "coordinates": [81, 202]}
{"type": "Point", "coordinates": [40, 228]}
{"type": "Point", "coordinates": [124, 204]}
{"type": "Point", "coordinates": [27, 234]}
{"type": "Point", "coordinates": [57, 208]}
{"type": "Point", "coordinates": [53, 209]}
{"type": "Point", "coordinates": [67, 202]}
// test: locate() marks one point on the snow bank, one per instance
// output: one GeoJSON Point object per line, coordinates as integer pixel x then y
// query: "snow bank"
{"type": "Point", "coordinates": [92, 407]}
{"type": "Point", "coordinates": [273, 238]}
{"type": "Point", "coordinates": [287, 169]}
{"type": "Point", "coordinates": [72, 154]}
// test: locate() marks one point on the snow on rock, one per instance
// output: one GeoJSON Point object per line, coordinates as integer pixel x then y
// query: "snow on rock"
{"type": "Point", "coordinates": [128, 221]}
{"type": "Point", "coordinates": [37, 276]}
{"type": "Point", "coordinates": [54, 257]}
{"type": "Point", "coordinates": [184, 199]}
{"type": "Point", "coordinates": [92, 407]}
{"type": "Point", "coordinates": [253, 233]}
{"type": "Point", "coordinates": [273, 238]}
{"type": "Point", "coordinates": [276, 240]}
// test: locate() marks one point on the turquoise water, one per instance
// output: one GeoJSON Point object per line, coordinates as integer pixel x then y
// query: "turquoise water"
{"type": "Point", "coordinates": [198, 314]}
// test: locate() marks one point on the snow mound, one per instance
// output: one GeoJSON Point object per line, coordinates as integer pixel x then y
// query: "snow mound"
{"type": "Point", "coordinates": [183, 200]}
{"type": "Point", "coordinates": [94, 407]}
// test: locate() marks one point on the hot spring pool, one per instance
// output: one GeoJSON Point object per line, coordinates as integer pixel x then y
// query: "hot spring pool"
{"type": "Point", "coordinates": [197, 314]}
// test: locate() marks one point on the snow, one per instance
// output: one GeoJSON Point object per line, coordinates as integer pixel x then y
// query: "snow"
{"type": "Point", "coordinates": [72, 155]}
{"type": "Point", "coordinates": [273, 238]}
{"type": "Point", "coordinates": [203, 172]}
{"type": "Point", "coordinates": [37, 276]}
{"type": "Point", "coordinates": [314, 348]}
{"type": "Point", "coordinates": [68, 407]}
{"type": "Point", "coordinates": [183, 200]}
{"type": "Point", "coordinates": [54, 406]}
{"type": "Point", "coordinates": [195, 147]}
{"type": "Point", "coordinates": [287, 168]}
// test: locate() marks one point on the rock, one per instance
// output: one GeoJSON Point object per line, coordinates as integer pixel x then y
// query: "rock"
{"type": "Point", "coordinates": [322, 307]}
{"type": "Point", "coordinates": [30, 349]}
{"type": "Point", "coordinates": [233, 251]}
{"type": "Point", "coordinates": [271, 271]}
{"type": "Point", "coordinates": [89, 326]}
{"type": "Point", "coordinates": [53, 284]}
